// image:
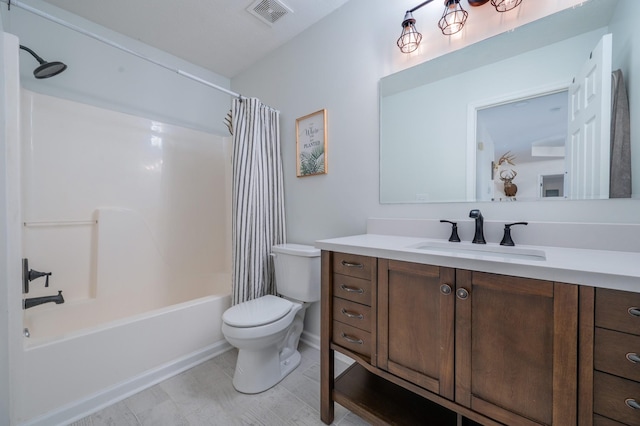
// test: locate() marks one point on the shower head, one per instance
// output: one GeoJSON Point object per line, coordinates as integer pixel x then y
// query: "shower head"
{"type": "Point", "coordinates": [45, 69]}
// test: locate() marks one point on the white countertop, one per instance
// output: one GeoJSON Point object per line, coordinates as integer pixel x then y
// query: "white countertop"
{"type": "Point", "coordinates": [599, 268]}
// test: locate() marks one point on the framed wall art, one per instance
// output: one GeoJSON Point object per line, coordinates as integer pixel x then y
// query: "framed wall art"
{"type": "Point", "coordinates": [311, 144]}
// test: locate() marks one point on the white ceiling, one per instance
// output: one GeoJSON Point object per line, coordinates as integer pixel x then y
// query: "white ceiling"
{"type": "Point", "coordinates": [219, 35]}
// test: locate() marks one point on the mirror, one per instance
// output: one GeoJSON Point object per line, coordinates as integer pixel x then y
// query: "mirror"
{"type": "Point", "coordinates": [431, 148]}
{"type": "Point", "coordinates": [521, 140]}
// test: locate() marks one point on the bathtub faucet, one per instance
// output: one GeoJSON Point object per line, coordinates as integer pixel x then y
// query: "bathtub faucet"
{"type": "Point", "coordinates": [35, 301]}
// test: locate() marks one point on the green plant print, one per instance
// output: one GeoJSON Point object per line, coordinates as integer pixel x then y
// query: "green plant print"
{"type": "Point", "coordinates": [312, 162]}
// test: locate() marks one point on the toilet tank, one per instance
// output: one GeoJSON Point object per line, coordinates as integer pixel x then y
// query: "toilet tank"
{"type": "Point", "coordinates": [297, 269]}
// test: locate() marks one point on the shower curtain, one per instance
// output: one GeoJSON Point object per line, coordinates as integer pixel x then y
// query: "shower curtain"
{"type": "Point", "coordinates": [257, 198]}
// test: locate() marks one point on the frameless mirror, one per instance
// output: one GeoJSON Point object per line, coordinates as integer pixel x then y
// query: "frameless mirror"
{"type": "Point", "coordinates": [446, 124]}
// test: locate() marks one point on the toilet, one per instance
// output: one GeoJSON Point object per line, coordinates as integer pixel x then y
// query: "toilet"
{"type": "Point", "coordinates": [266, 330]}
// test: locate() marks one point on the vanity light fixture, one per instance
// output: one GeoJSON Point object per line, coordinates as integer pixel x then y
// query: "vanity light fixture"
{"type": "Point", "coordinates": [453, 20]}
{"type": "Point", "coordinates": [410, 38]}
{"type": "Point", "coordinates": [453, 17]}
{"type": "Point", "coordinates": [505, 5]}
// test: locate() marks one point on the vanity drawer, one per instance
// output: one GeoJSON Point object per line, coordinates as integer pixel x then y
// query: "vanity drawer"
{"type": "Point", "coordinates": [617, 353]}
{"type": "Point", "coordinates": [618, 310]}
{"type": "Point", "coordinates": [353, 265]}
{"type": "Point", "coordinates": [350, 288]}
{"type": "Point", "coordinates": [610, 394]}
{"type": "Point", "coordinates": [351, 313]}
{"type": "Point", "coordinates": [603, 421]}
{"type": "Point", "coordinates": [352, 338]}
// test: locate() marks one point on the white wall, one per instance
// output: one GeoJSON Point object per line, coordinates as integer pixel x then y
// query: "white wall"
{"type": "Point", "coordinates": [336, 65]}
{"type": "Point", "coordinates": [104, 76]}
{"type": "Point", "coordinates": [5, 395]}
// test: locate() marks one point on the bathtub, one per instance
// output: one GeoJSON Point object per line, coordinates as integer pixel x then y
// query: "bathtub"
{"type": "Point", "coordinates": [79, 372]}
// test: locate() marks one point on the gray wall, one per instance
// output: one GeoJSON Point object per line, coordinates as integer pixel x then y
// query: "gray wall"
{"type": "Point", "coordinates": [337, 65]}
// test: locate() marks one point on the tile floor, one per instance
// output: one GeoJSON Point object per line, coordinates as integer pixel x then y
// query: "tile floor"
{"type": "Point", "coordinates": [204, 395]}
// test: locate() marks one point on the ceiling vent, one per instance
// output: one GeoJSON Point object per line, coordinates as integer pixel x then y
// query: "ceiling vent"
{"type": "Point", "coordinates": [269, 11]}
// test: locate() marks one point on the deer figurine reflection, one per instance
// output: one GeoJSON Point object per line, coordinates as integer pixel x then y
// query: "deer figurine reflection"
{"type": "Point", "coordinates": [510, 188]}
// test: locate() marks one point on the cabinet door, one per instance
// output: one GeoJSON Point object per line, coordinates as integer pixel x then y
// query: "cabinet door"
{"type": "Point", "coordinates": [516, 348]}
{"type": "Point", "coordinates": [416, 324]}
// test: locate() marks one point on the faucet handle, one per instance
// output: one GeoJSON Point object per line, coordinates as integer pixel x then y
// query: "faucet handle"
{"type": "Point", "coordinates": [506, 239]}
{"type": "Point", "coordinates": [454, 238]}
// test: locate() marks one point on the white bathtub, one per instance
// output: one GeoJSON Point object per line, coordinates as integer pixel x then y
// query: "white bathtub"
{"type": "Point", "coordinates": [68, 377]}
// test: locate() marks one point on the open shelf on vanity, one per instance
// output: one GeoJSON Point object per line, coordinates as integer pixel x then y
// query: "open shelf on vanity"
{"type": "Point", "coordinates": [381, 402]}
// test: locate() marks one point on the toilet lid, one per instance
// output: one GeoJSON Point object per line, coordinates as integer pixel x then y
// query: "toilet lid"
{"type": "Point", "coordinates": [260, 311]}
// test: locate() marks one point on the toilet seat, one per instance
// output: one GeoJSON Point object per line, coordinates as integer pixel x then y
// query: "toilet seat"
{"type": "Point", "coordinates": [257, 312]}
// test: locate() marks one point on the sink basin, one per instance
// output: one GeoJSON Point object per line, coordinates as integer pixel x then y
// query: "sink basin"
{"type": "Point", "coordinates": [482, 250]}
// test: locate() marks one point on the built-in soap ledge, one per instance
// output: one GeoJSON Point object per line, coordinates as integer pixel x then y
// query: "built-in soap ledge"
{"type": "Point", "coordinates": [595, 236]}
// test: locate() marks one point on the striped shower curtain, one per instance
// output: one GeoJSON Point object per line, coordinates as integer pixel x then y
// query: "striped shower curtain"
{"type": "Point", "coordinates": [257, 198]}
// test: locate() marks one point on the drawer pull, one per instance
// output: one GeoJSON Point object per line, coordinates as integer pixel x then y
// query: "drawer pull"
{"type": "Point", "coordinates": [352, 264]}
{"type": "Point", "coordinates": [631, 403]}
{"type": "Point", "coordinates": [633, 357]}
{"type": "Point", "coordinates": [634, 311]}
{"type": "Point", "coordinates": [353, 315]}
{"type": "Point", "coordinates": [351, 289]}
{"type": "Point", "coordinates": [354, 340]}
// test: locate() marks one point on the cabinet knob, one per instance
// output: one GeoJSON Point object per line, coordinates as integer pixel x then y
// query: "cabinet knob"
{"type": "Point", "coordinates": [445, 289]}
{"type": "Point", "coordinates": [633, 357]}
{"type": "Point", "coordinates": [632, 403]}
{"type": "Point", "coordinates": [634, 311]}
{"type": "Point", "coordinates": [462, 294]}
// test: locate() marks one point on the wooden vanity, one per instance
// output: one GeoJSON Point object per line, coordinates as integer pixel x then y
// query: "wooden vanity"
{"type": "Point", "coordinates": [442, 345]}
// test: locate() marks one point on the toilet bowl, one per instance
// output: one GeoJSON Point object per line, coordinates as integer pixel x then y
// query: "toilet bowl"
{"type": "Point", "coordinates": [267, 330]}
{"type": "Point", "coordinates": [266, 352]}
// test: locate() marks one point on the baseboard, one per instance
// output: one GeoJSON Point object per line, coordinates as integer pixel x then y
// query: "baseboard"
{"type": "Point", "coordinates": [313, 340]}
{"type": "Point", "coordinates": [92, 403]}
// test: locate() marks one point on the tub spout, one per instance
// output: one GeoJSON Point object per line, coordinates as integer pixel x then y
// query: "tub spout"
{"type": "Point", "coordinates": [35, 301]}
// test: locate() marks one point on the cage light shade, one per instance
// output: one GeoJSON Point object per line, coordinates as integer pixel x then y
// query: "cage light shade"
{"type": "Point", "coordinates": [410, 38]}
{"type": "Point", "coordinates": [505, 5]}
{"type": "Point", "coordinates": [453, 18]}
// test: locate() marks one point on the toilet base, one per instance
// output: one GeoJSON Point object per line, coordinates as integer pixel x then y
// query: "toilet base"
{"type": "Point", "coordinates": [257, 371]}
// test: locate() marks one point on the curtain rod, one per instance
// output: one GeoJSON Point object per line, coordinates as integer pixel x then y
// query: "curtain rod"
{"type": "Point", "coordinates": [116, 45]}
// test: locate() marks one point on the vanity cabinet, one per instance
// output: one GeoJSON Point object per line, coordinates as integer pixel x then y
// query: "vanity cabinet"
{"type": "Point", "coordinates": [353, 291]}
{"type": "Point", "coordinates": [616, 358]}
{"type": "Point", "coordinates": [450, 346]}
{"type": "Point", "coordinates": [416, 308]}
{"type": "Point", "coordinates": [516, 348]}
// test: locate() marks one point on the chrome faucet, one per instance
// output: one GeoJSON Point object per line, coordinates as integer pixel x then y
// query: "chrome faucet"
{"type": "Point", "coordinates": [35, 301]}
{"type": "Point", "coordinates": [478, 238]}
